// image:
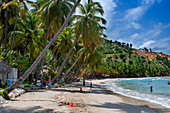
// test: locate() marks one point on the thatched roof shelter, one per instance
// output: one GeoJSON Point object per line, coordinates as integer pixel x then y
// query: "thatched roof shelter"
{"type": "Point", "coordinates": [4, 68]}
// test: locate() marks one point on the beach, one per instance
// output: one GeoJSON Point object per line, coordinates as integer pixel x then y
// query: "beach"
{"type": "Point", "coordinates": [95, 100]}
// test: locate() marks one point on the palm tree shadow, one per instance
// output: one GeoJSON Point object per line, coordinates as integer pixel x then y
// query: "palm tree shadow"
{"type": "Point", "coordinates": [36, 109]}
{"type": "Point", "coordinates": [124, 107]}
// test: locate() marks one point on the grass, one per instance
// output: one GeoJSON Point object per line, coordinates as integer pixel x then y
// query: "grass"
{"type": "Point", "coordinates": [26, 84]}
{"type": "Point", "coordinates": [2, 88]}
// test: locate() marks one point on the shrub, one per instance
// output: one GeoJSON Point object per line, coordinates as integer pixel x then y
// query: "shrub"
{"type": "Point", "coordinates": [122, 56]}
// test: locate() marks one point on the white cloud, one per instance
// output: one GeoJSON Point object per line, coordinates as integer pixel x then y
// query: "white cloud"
{"type": "Point", "coordinates": [136, 35]}
{"type": "Point", "coordinates": [159, 1]}
{"type": "Point", "coordinates": [146, 44]}
{"type": "Point", "coordinates": [135, 13]}
{"type": "Point", "coordinates": [147, 2]}
{"type": "Point", "coordinates": [109, 10]}
{"type": "Point", "coordinates": [108, 7]}
{"type": "Point", "coordinates": [161, 45]}
{"type": "Point", "coordinates": [136, 25]}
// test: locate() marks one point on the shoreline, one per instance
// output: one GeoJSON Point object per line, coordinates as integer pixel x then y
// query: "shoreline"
{"type": "Point", "coordinates": [132, 100]}
{"type": "Point", "coordinates": [95, 100]}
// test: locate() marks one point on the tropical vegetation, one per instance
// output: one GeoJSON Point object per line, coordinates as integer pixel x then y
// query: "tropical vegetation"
{"type": "Point", "coordinates": [52, 40]}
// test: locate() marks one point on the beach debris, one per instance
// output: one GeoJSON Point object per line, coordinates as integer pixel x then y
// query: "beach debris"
{"type": "Point", "coordinates": [3, 101]}
{"type": "Point", "coordinates": [60, 104]}
{"type": "Point", "coordinates": [81, 89]}
{"type": "Point", "coordinates": [16, 92]}
{"type": "Point", "coordinates": [71, 105]}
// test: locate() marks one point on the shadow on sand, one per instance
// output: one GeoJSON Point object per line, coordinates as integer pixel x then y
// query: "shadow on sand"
{"type": "Point", "coordinates": [36, 109]}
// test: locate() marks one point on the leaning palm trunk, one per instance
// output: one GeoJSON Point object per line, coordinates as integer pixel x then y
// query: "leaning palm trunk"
{"type": "Point", "coordinates": [77, 74]}
{"type": "Point", "coordinates": [6, 21]}
{"type": "Point", "coordinates": [75, 61]}
{"type": "Point", "coordinates": [14, 30]}
{"type": "Point", "coordinates": [27, 73]}
{"type": "Point", "coordinates": [72, 77]}
{"type": "Point", "coordinates": [72, 72]}
{"type": "Point", "coordinates": [43, 59]}
{"type": "Point", "coordinates": [65, 61]}
{"type": "Point", "coordinates": [2, 38]}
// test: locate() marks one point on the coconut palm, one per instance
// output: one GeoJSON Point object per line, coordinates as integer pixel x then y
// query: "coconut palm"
{"type": "Point", "coordinates": [22, 11]}
{"type": "Point", "coordinates": [29, 35]}
{"type": "Point", "coordinates": [53, 13]}
{"type": "Point", "coordinates": [88, 28]}
{"type": "Point", "coordinates": [31, 68]}
{"type": "Point", "coordinates": [4, 35]}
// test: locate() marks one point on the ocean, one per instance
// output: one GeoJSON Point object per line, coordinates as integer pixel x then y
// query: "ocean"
{"type": "Point", "coordinates": [140, 89]}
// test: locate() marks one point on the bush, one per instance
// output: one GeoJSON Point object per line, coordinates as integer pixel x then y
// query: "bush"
{"type": "Point", "coordinates": [130, 62]}
{"type": "Point", "coordinates": [122, 56]}
{"type": "Point", "coordinates": [5, 95]}
{"type": "Point", "coordinates": [116, 57]}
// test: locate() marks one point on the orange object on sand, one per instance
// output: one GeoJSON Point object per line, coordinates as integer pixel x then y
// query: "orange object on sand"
{"type": "Point", "coordinates": [71, 105]}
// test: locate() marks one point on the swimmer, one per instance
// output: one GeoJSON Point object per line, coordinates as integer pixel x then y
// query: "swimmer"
{"type": "Point", "coordinates": [168, 83]}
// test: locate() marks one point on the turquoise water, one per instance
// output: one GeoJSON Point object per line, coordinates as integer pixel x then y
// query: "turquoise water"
{"type": "Point", "coordinates": [140, 89]}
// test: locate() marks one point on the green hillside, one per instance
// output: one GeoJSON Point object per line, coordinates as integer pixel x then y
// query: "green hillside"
{"type": "Point", "coordinates": [121, 60]}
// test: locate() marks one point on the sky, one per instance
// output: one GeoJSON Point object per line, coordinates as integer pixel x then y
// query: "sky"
{"type": "Point", "coordinates": [143, 23]}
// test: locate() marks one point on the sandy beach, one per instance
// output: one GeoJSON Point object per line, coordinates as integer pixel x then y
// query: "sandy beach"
{"type": "Point", "coordinates": [95, 100]}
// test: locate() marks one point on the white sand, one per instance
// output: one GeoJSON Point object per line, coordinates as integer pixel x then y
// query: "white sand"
{"type": "Point", "coordinates": [88, 101]}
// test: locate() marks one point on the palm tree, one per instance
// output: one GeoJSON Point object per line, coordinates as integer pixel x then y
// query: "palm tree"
{"type": "Point", "coordinates": [30, 36]}
{"type": "Point", "coordinates": [31, 68]}
{"type": "Point", "coordinates": [88, 28]}
{"type": "Point", "coordinates": [53, 12]}
{"type": "Point", "coordinates": [22, 10]}
{"type": "Point", "coordinates": [4, 35]}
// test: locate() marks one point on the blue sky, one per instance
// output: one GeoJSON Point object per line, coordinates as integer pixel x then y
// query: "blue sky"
{"type": "Point", "coordinates": [143, 23]}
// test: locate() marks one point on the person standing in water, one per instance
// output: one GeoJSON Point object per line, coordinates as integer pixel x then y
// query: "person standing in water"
{"type": "Point", "coordinates": [151, 89]}
{"type": "Point", "coordinates": [168, 83]}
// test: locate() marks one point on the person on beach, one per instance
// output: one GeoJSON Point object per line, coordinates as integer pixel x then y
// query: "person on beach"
{"type": "Point", "coordinates": [151, 89]}
{"type": "Point", "coordinates": [9, 82]}
{"type": "Point", "coordinates": [49, 82]}
{"type": "Point", "coordinates": [90, 85]}
{"type": "Point", "coordinates": [41, 83]}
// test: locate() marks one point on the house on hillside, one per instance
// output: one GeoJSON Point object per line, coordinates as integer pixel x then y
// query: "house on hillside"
{"type": "Point", "coordinates": [6, 72]}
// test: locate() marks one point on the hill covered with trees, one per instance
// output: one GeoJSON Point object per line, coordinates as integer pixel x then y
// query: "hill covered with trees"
{"type": "Point", "coordinates": [121, 60]}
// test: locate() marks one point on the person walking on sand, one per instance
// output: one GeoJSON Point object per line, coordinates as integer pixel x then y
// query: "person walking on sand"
{"type": "Point", "coordinates": [90, 85]}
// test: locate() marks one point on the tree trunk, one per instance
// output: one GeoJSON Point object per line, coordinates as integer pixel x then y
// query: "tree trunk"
{"type": "Point", "coordinates": [2, 38]}
{"type": "Point", "coordinates": [43, 59]}
{"type": "Point", "coordinates": [71, 78]}
{"type": "Point", "coordinates": [6, 21]}
{"type": "Point", "coordinates": [65, 60]}
{"type": "Point", "coordinates": [76, 75]}
{"type": "Point", "coordinates": [53, 61]}
{"type": "Point", "coordinates": [71, 72]}
{"type": "Point", "coordinates": [25, 49]}
{"type": "Point", "coordinates": [27, 73]}
{"type": "Point", "coordinates": [56, 62]}
{"type": "Point", "coordinates": [14, 30]}
{"type": "Point", "coordinates": [75, 61]}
